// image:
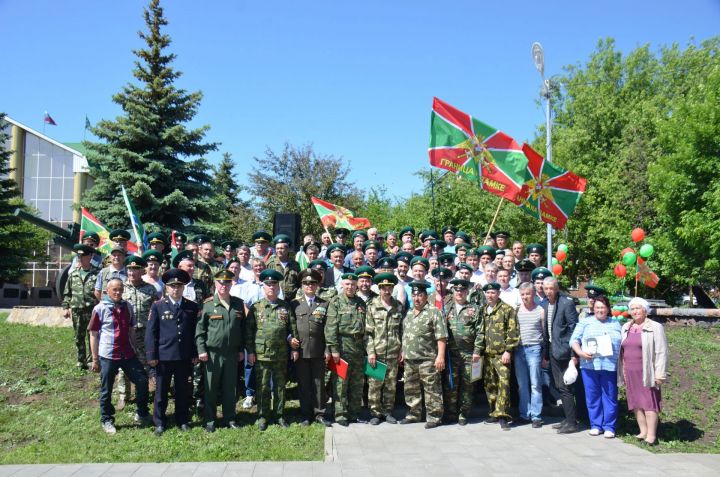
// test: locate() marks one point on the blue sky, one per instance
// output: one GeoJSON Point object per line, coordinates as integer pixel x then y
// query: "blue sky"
{"type": "Point", "coordinates": [356, 79]}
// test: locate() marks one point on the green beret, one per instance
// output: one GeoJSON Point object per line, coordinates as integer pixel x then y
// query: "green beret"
{"type": "Point", "coordinates": [460, 284]}
{"type": "Point", "coordinates": [201, 239]}
{"type": "Point", "coordinates": [184, 255]}
{"type": "Point", "coordinates": [594, 291]}
{"type": "Point", "coordinates": [525, 265]}
{"type": "Point", "coordinates": [261, 236]}
{"type": "Point", "coordinates": [119, 234]}
{"type": "Point", "coordinates": [403, 257]}
{"type": "Point", "coordinates": [447, 258]}
{"type": "Point", "coordinates": [270, 275]}
{"type": "Point", "coordinates": [175, 275]}
{"type": "Point", "coordinates": [463, 246]}
{"type": "Point", "coordinates": [349, 276]}
{"type": "Point", "coordinates": [157, 237]}
{"type": "Point", "coordinates": [407, 230]}
{"type": "Point", "coordinates": [442, 273]}
{"type": "Point", "coordinates": [387, 262]}
{"type": "Point", "coordinates": [336, 246]}
{"type": "Point", "coordinates": [500, 251]}
{"type": "Point", "coordinates": [359, 233]}
{"type": "Point", "coordinates": [428, 234]}
{"type": "Point", "coordinates": [535, 248]}
{"type": "Point", "coordinates": [502, 233]}
{"type": "Point", "coordinates": [153, 256]}
{"type": "Point", "coordinates": [281, 238]}
{"type": "Point", "coordinates": [465, 237]}
{"type": "Point", "coordinates": [438, 244]}
{"type": "Point", "coordinates": [488, 234]}
{"type": "Point", "coordinates": [341, 231]}
{"type": "Point", "coordinates": [449, 229]}
{"type": "Point", "coordinates": [491, 286]}
{"type": "Point", "coordinates": [366, 271]}
{"type": "Point", "coordinates": [310, 276]}
{"type": "Point", "coordinates": [92, 236]}
{"type": "Point", "coordinates": [420, 260]}
{"type": "Point", "coordinates": [224, 275]}
{"type": "Point", "coordinates": [319, 263]}
{"type": "Point", "coordinates": [385, 279]}
{"type": "Point", "coordinates": [81, 249]}
{"type": "Point", "coordinates": [232, 260]}
{"type": "Point", "coordinates": [370, 244]}
{"type": "Point", "coordinates": [465, 266]}
{"type": "Point", "coordinates": [229, 245]}
{"type": "Point", "coordinates": [540, 273]}
{"type": "Point", "coordinates": [419, 287]}
{"type": "Point", "coordinates": [133, 261]}
{"type": "Point", "coordinates": [486, 250]}
{"type": "Point", "coordinates": [181, 236]}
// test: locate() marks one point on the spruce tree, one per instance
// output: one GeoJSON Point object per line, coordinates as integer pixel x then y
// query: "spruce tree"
{"type": "Point", "coordinates": [149, 149]}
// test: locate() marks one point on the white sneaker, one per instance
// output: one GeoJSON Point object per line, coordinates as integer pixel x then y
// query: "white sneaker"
{"type": "Point", "coordinates": [248, 402]}
{"type": "Point", "coordinates": [609, 435]}
{"type": "Point", "coordinates": [109, 427]}
{"type": "Point", "coordinates": [594, 432]}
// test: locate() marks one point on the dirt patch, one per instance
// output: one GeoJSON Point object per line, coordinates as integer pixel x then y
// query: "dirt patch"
{"type": "Point", "coordinates": [13, 398]}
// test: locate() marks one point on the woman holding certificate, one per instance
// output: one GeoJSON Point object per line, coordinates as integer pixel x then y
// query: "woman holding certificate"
{"type": "Point", "coordinates": [596, 341]}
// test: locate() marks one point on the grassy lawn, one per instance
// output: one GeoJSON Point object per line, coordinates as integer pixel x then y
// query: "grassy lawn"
{"type": "Point", "coordinates": [690, 420]}
{"type": "Point", "coordinates": [49, 413]}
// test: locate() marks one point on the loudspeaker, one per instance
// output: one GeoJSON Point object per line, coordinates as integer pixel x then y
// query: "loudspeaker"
{"type": "Point", "coordinates": [288, 224]}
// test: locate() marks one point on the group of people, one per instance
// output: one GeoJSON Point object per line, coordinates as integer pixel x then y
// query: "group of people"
{"type": "Point", "coordinates": [373, 308]}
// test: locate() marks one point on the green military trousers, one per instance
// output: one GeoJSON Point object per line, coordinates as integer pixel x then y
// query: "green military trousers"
{"type": "Point", "coordinates": [496, 380]}
{"type": "Point", "coordinates": [221, 368]}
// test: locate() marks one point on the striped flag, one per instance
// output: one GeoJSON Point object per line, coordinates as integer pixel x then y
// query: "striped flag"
{"type": "Point", "coordinates": [135, 222]}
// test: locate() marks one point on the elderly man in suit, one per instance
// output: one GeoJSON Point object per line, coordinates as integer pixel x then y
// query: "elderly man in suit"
{"type": "Point", "coordinates": [562, 316]}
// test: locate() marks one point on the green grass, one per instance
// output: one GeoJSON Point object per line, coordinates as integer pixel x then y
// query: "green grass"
{"type": "Point", "coordinates": [690, 420]}
{"type": "Point", "coordinates": [49, 413]}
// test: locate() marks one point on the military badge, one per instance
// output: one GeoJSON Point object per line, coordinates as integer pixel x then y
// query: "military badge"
{"type": "Point", "coordinates": [283, 314]}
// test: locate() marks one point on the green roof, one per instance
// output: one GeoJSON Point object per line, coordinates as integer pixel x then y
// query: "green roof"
{"type": "Point", "coordinates": [78, 146]}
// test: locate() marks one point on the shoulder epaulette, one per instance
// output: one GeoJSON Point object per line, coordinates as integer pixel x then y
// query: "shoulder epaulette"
{"type": "Point", "coordinates": [210, 298]}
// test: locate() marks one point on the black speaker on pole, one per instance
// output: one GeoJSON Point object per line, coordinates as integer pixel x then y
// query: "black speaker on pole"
{"type": "Point", "coordinates": [288, 224]}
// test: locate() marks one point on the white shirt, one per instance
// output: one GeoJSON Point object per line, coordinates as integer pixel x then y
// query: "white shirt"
{"type": "Point", "coordinates": [476, 276]}
{"type": "Point", "coordinates": [511, 296]}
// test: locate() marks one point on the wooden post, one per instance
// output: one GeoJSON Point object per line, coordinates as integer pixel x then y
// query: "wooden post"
{"type": "Point", "coordinates": [492, 224]}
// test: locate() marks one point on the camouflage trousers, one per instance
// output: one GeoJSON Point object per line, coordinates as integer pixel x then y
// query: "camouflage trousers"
{"type": "Point", "coordinates": [461, 393]}
{"type": "Point", "coordinates": [422, 377]}
{"type": "Point", "coordinates": [123, 381]}
{"type": "Point", "coordinates": [347, 395]}
{"type": "Point", "coordinates": [381, 394]}
{"type": "Point", "coordinates": [198, 381]}
{"type": "Point", "coordinates": [277, 372]}
{"type": "Point", "coordinates": [81, 320]}
{"type": "Point", "coordinates": [496, 380]}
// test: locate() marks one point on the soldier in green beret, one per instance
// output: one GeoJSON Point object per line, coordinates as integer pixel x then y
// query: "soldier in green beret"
{"type": "Point", "coordinates": [465, 238]}
{"type": "Point", "coordinates": [220, 337]}
{"type": "Point", "coordinates": [158, 242]}
{"type": "Point", "coordinates": [365, 276]}
{"type": "Point", "coordinates": [271, 327]}
{"type": "Point", "coordinates": [344, 333]}
{"type": "Point", "coordinates": [423, 353]}
{"type": "Point", "coordinates": [466, 340]}
{"type": "Point", "coordinates": [536, 253]}
{"type": "Point", "coordinates": [407, 235]}
{"type": "Point", "coordinates": [383, 330]}
{"type": "Point", "coordinates": [441, 297]}
{"type": "Point", "coordinates": [523, 270]}
{"type": "Point", "coordinates": [461, 250]}
{"type": "Point", "coordinates": [262, 249]}
{"type": "Point", "coordinates": [371, 249]}
{"type": "Point", "coordinates": [447, 260]}
{"type": "Point", "coordinates": [288, 267]}
{"type": "Point", "coordinates": [501, 338]}
{"type": "Point", "coordinates": [79, 298]}
{"type": "Point", "coordinates": [154, 260]}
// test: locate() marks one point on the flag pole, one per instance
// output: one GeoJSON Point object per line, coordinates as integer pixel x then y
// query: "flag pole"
{"type": "Point", "coordinates": [492, 224]}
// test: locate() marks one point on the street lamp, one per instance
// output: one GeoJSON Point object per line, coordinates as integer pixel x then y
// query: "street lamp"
{"type": "Point", "coordinates": [539, 60]}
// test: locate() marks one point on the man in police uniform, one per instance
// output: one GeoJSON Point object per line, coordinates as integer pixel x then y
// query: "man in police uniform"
{"type": "Point", "coordinates": [220, 339]}
{"type": "Point", "coordinates": [309, 312]}
{"type": "Point", "coordinates": [270, 328]}
{"type": "Point", "coordinates": [172, 322]}
{"type": "Point", "coordinates": [79, 298]}
{"type": "Point", "coordinates": [502, 336]}
{"type": "Point", "coordinates": [344, 334]}
{"type": "Point", "coordinates": [288, 268]}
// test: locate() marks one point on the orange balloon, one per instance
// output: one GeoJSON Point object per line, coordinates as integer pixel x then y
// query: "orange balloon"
{"type": "Point", "coordinates": [557, 269]}
{"type": "Point", "coordinates": [637, 234]}
{"type": "Point", "coordinates": [560, 255]}
{"type": "Point", "coordinates": [626, 250]}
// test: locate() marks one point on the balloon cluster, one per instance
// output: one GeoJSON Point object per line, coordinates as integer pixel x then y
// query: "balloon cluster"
{"type": "Point", "coordinates": [620, 312]}
{"type": "Point", "coordinates": [560, 256]}
{"type": "Point", "coordinates": [629, 257]}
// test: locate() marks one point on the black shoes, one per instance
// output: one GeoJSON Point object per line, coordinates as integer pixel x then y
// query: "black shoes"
{"type": "Point", "coordinates": [262, 424]}
{"type": "Point", "coordinates": [233, 425]}
{"type": "Point", "coordinates": [323, 421]}
{"type": "Point", "coordinates": [159, 431]}
{"type": "Point", "coordinates": [537, 423]}
{"type": "Point", "coordinates": [343, 422]}
{"type": "Point", "coordinates": [504, 425]}
{"type": "Point", "coordinates": [185, 427]}
{"type": "Point", "coordinates": [568, 429]}
{"type": "Point", "coordinates": [210, 427]}
{"type": "Point", "coordinates": [390, 420]}
{"type": "Point", "coordinates": [375, 421]}
{"type": "Point", "coordinates": [491, 420]}
{"type": "Point", "coordinates": [431, 424]}
{"type": "Point", "coordinates": [558, 425]}
{"type": "Point", "coordinates": [407, 421]}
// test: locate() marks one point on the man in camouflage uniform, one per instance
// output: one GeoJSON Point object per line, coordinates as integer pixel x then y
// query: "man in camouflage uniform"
{"type": "Point", "coordinates": [206, 254]}
{"type": "Point", "coordinates": [423, 353]}
{"type": "Point", "coordinates": [220, 338]}
{"type": "Point", "coordinates": [365, 276]}
{"type": "Point", "coordinates": [79, 298]}
{"type": "Point", "coordinates": [158, 242]}
{"type": "Point", "coordinates": [383, 330]}
{"type": "Point", "coordinates": [344, 334]}
{"type": "Point", "coordinates": [466, 341]}
{"type": "Point", "coordinates": [201, 270]}
{"type": "Point", "coordinates": [141, 296]}
{"type": "Point", "coordinates": [270, 328]}
{"type": "Point", "coordinates": [501, 338]}
{"type": "Point", "coordinates": [442, 297]}
{"type": "Point", "coordinates": [288, 268]}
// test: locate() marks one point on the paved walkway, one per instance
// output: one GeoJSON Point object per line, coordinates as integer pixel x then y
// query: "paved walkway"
{"type": "Point", "coordinates": [448, 451]}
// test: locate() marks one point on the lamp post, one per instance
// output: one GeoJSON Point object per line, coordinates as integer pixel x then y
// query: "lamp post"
{"type": "Point", "coordinates": [539, 60]}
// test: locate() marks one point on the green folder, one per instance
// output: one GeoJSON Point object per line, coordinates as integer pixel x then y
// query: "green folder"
{"type": "Point", "coordinates": [378, 372]}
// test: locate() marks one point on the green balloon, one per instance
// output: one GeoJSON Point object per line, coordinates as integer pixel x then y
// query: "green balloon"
{"type": "Point", "coordinates": [563, 247]}
{"type": "Point", "coordinates": [647, 250]}
{"type": "Point", "coordinates": [629, 258]}
{"type": "Point", "coordinates": [555, 261]}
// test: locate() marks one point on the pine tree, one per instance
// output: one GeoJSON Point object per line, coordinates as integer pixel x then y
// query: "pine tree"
{"type": "Point", "coordinates": [149, 149]}
{"type": "Point", "coordinates": [17, 237]}
{"type": "Point", "coordinates": [225, 183]}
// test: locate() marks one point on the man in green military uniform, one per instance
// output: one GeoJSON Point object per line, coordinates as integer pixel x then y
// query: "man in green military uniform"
{"type": "Point", "coordinates": [344, 334]}
{"type": "Point", "coordinates": [271, 327]}
{"type": "Point", "coordinates": [423, 353]}
{"type": "Point", "coordinates": [79, 298]}
{"type": "Point", "coordinates": [202, 271]}
{"type": "Point", "coordinates": [158, 242]}
{"type": "Point", "coordinates": [288, 268]}
{"type": "Point", "coordinates": [466, 340]}
{"type": "Point", "coordinates": [365, 276]}
{"type": "Point", "coordinates": [115, 269]}
{"type": "Point", "coordinates": [220, 339]}
{"type": "Point", "coordinates": [501, 338]}
{"type": "Point", "coordinates": [383, 330]}
{"type": "Point", "coordinates": [206, 254]}
{"type": "Point", "coordinates": [442, 297]}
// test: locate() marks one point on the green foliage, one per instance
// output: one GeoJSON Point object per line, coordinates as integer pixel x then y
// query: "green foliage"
{"type": "Point", "coordinates": [18, 238]}
{"type": "Point", "coordinates": [149, 148]}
